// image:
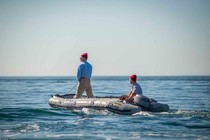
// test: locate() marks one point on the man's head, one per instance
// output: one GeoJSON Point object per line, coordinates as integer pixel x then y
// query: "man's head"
{"type": "Point", "coordinates": [133, 79]}
{"type": "Point", "coordinates": [83, 57]}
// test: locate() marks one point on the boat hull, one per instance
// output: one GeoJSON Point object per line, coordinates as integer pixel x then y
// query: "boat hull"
{"type": "Point", "coordinates": [67, 101]}
{"type": "Point", "coordinates": [111, 103]}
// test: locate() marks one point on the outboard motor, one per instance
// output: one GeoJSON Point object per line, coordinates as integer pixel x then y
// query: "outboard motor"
{"type": "Point", "coordinates": [142, 101]}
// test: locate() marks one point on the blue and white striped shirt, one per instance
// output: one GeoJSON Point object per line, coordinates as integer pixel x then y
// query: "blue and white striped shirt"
{"type": "Point", "coordinates": [84, 70]}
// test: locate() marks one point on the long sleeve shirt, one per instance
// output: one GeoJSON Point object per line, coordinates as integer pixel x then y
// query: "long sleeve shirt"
{"type": "Point", "coordinates": [84, 70]}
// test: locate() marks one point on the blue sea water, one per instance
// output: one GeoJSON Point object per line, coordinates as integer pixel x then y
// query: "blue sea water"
{"type": "Point", "coordinates": [25, 113]}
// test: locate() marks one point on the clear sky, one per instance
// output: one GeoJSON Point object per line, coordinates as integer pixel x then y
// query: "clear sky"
{"type": "Point", "coordinates": [122, 37]}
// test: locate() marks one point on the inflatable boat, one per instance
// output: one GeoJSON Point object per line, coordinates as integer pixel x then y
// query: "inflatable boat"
{"type": "Point", "coordinates": [112, 103]}
{"type": "Point", "coordinates": [67, 101]}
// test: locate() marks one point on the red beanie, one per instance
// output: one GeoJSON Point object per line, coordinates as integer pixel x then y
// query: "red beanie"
{"type": "Point", "coordinates": [133, 77]}
{"type": "Point", "coordinates": [85, 55]}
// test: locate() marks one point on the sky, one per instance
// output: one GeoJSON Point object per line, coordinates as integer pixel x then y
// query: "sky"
{"type": "Point", "coordinates": [122, 37]}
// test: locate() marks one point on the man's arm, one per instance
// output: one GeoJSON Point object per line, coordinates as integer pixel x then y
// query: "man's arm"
{"type": "Point", "coordinates": [79, 72]}
{"type": "Point", "coordinates": [131, 95]}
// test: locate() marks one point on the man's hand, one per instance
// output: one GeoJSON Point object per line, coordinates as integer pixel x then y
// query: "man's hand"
{"type": "Point", "coordinates": [129, 100]}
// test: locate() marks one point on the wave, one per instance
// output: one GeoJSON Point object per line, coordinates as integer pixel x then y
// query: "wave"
{"type": "Point", "coordinates": [200, 114]}
{"type": "Point", "coordinates": [204, 114]}
{"type": "Point", "coordinates": [12, 113]}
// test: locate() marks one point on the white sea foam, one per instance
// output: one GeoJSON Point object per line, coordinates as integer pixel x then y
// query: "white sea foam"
{"type": "Point", "coordinates": [144, 113]}
{"type": "Point", "coordinates": [64, 135]}
{"type": "Point", "coordinates": [6, 131]}
{"type": "Point", "coordinates": [89, 111]}
{"type": "Point", "coordinates": [31, 127]}
{"type": "Point", "coordinates": [153, 134]}
{"type": "Point", "coordinates": [86, 111]}
{"type": "Point", "coordinates": [23, 130]}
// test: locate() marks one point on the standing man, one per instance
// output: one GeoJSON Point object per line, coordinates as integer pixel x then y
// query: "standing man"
{"type": "Point", "coordinates": [136, 89]}
{"type": "Point", "coordinates": [84, 74]}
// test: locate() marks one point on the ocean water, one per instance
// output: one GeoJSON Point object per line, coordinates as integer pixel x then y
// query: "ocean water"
{"type": "Point", "coordinates": [25, 113]}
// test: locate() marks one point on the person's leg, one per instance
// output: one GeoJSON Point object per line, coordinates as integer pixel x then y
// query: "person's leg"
{"type": "Point", "coordinates": [80, 89]}
{"type": "Point", "coordinates": [89, 92]}
{"type": "Point", "coordinates": [89, 89]}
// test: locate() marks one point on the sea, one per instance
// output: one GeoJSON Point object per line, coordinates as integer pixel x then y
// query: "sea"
{"type": "Point", "coordinates": [26, 114]}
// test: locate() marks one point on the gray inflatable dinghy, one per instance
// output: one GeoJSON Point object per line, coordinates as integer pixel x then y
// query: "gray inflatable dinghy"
{"type": "Point", "coordinates": [67, 101]}
{"type": "Point", "coordinates": [112, 103]}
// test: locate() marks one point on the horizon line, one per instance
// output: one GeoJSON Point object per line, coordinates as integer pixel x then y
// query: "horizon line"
{"type": "Point", "coordinates": [100, 75]}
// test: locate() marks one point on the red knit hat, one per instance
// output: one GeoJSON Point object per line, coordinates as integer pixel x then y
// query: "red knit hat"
{"type": "Point", "coordinates": [133, 77]}
{"type": "Point", "coordinates": [85, 55]}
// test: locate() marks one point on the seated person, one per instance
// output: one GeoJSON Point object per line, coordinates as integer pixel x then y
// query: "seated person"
{"type": "Point", "coordinates": [136, 90]}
